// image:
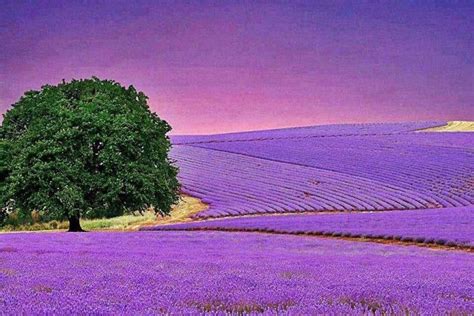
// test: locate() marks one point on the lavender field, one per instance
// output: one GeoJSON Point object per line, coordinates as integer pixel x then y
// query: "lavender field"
{"type": "Point", "coordinates": [390, 183]}
{"type": "Point", "coordinates": [237, 158]}
{"type": "Point", "coordinates": [226, 273]}
{"type": "Point", "coordinates": [445, 226]}
{"type": "Point", "coordinates": [363, 167]}
{"type": "Point", "coordinates": [311, 131]}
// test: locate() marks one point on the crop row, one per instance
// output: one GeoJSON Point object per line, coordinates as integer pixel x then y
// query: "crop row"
{"type": "Point", "coordinates": [446, 140]}
{"type": "Point", "coordinates": [438, 172]}
{"type": "Point", "coordinates": [449, 226]}
{"type": "Point", "coordinates": [309, 131]}
{"type": "Point", "coordinates": [237, 185]}
{"type": "Point", "coordinates": [213, 273]}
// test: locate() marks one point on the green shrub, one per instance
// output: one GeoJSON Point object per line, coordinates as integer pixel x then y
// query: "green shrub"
{"type": "Point", "coordinates": [53, 225]}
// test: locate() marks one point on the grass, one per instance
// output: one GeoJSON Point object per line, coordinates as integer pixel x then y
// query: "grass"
{"type": "Point", "coordinates": [182, 212]}
{"type": "Point", "coordinates": [125, 222]}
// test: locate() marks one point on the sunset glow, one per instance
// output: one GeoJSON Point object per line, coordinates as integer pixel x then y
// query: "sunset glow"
{"type": "Point", "coordinates": [212, 67]}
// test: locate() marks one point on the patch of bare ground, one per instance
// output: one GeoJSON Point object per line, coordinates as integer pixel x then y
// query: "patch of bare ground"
{"type": "Point", "coordinates": [452, 126]}
{"type": "Point", "coordinates": [182, 212]}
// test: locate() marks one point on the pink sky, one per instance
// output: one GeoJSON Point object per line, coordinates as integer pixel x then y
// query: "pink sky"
{"type": "Point", "coordinates": [211, 68]}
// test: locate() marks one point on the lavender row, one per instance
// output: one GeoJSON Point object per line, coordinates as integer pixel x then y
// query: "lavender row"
{"type": "Point", "coordinates": [450, 226]}
{"type": "Point", "coordinates": [310, 131]}
{"type": "Point", "coordinates": [442, 173]}
{"type": "Point", "coordinates": [237, 185]}
{"type": "Point", "coordinates": [449, 140]}
{"type": "Point", "coordinates": [226, 273]}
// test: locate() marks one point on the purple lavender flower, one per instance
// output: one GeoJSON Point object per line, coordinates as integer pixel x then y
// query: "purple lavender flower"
{"type": "Point", "coordinates": [218, 273]}
{"type": "Point", "coordinates": [434, 226]}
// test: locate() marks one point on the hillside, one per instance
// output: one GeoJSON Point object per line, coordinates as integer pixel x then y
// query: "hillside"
{"type": "Point", "coordinates": [327, 168]}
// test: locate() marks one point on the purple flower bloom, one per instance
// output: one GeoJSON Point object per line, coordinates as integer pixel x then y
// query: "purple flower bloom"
{"type": "Point", "coordinates": [217, 273]}
{"type": "Point", "coordinates": [454, 225]}
{"type": "Point", "coordinates": [310, 169]}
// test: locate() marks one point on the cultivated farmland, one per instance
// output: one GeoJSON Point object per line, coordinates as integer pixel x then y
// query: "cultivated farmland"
{"type": "Point", "coordinates": [374, 167]}
{"type": "Point", "coordinates": [445, 226]}
{"type": "Point", "coordinates": [339, 219]}
{"type": "Point", "coordinates": [226, 273]}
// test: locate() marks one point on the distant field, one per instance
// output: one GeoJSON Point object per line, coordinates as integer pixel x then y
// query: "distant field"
{"type": "Point", "coordinates": [453, 126]}
{"type": "Point", "coordinates": [348, 167]}
{"type": "Point", "coordinates": [333, 130]}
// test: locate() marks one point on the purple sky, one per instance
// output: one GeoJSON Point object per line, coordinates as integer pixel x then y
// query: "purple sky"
{"type": "Point", "coordinates": [212, 67]}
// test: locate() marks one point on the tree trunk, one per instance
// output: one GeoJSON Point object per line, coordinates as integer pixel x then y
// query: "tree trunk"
{"type": "Point", "coordinates": [74, 224]}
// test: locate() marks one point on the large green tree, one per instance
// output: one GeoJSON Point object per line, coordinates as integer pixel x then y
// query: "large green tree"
{"type": "Point", "coordinates": [86, 148]}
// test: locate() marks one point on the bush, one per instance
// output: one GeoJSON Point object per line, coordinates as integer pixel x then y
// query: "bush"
{"type": "Point", "coordinates": [35, 216]}
{"type": "Point", "coordinates": [53, 225]}
{"type": "Point", "coordinates": [12, 219]}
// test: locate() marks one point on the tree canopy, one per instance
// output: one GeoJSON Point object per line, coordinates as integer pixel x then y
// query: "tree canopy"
{"type": "Point", "coordinates": [85, 148]}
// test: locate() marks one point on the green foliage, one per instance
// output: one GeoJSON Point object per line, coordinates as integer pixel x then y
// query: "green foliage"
{"type": "Point", "coordinates": [86, 148]}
